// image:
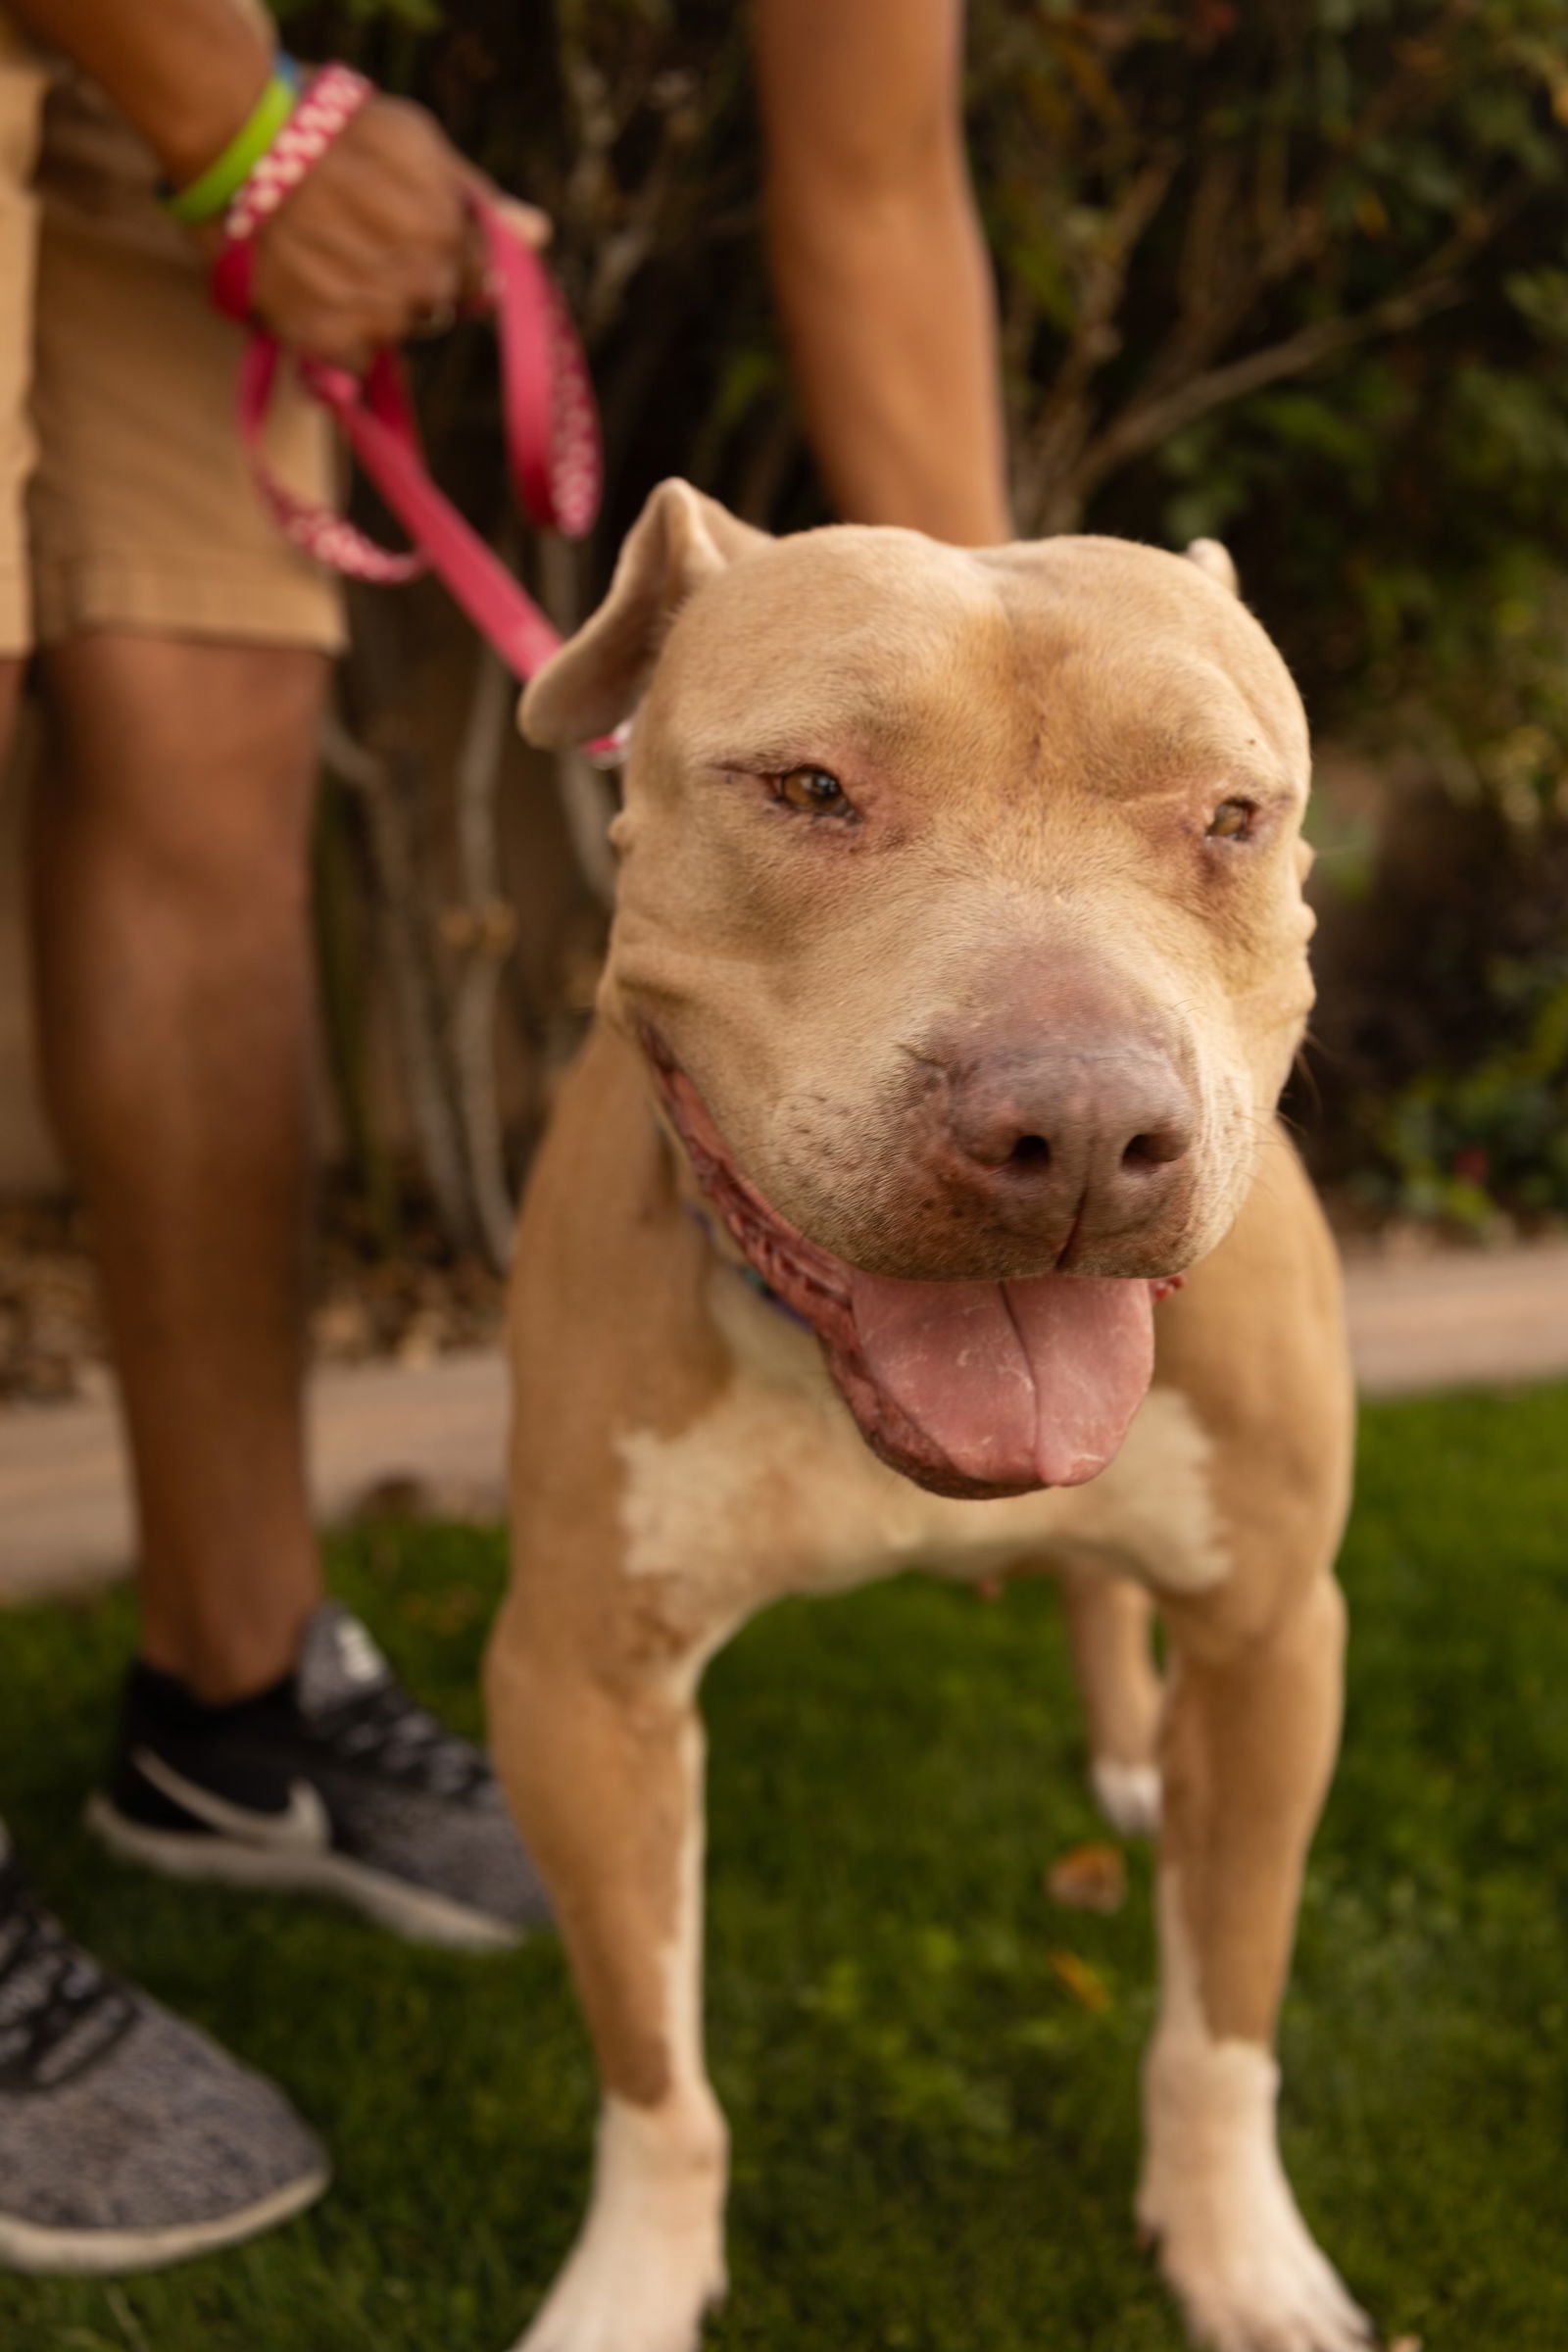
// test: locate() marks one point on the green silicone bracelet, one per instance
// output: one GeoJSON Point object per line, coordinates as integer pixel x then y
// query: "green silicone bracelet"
{"type": "Point", "coordinates": [205, 198]}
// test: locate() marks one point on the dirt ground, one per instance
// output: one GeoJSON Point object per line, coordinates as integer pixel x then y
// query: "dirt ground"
{"type": "Point", "coordinates": [1411, 1289]}
{"type": "Point", "coordinates": [406, 1309]}
{"type": "Point", "coordinates": [409, 1308]}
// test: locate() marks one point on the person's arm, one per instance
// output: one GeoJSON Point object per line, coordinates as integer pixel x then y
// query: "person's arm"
{"type": "Point", "coordinates": [372, 241]}
{"type": "Point", "coordinates": [880, 269]}
{"type": "Point", "coordinates": [185, 72]}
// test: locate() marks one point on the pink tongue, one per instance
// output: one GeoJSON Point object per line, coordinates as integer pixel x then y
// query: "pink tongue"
{"type": "Point", "coordinates": [1019, 1383]}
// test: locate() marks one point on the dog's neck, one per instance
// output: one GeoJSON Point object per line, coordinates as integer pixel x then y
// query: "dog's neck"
{"type": "Point", "coordinates": [733, 1263]}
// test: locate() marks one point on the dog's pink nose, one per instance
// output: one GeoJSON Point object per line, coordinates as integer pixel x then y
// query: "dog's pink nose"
{"type": "Point", "coordinates": [1093, 1139]}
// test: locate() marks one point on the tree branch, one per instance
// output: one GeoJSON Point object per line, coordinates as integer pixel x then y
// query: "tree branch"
{"type": "Point", "coordinates": [1144, 426]}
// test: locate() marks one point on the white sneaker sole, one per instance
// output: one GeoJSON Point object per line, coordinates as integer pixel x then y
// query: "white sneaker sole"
{"type": "Point", "coordinates": [412, 1912]}
{"type": "Point", "coordinates": [110, 2253]}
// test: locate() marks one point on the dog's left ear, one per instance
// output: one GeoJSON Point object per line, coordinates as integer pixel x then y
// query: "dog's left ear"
{"type": "Point", "coordinates": [1211, 556]}
{"type": "Point", "coordinates": [679, 540]}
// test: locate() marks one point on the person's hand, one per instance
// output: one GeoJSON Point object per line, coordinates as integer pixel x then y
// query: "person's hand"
{"type": "Point", "coordinates": [376, 243]}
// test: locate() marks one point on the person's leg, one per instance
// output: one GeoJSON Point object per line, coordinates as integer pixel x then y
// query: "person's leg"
{"type": "Point", "coordinates": [127, 2137]}
{"type": "Point", "coordinates": [174, 992]}
{"type": "Point", "coordinates": [11, 671]}
{"type": "Point", "coordinates": [262, 1739]}
{"type": "Point", "coordinates": [21, 90]}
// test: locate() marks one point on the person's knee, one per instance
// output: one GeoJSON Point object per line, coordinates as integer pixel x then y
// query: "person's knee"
{"type": "Point", "coordinates": [189, 771]}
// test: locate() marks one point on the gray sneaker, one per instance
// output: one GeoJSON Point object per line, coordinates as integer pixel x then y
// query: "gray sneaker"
{"type": "Point", "coordinates": [334, 1781]}
{"type": "Point", "coordinates": [127, 2139]}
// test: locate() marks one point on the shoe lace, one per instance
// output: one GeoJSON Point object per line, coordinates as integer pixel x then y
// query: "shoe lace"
{"type": "Point", "coordinates": [60, 2011]}
{"type": "Point", "coordinates": [387, 1730]}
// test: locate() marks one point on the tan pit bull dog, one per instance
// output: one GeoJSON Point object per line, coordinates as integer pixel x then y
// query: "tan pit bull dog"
{"type": "Point", "coordinates": [960, 959]}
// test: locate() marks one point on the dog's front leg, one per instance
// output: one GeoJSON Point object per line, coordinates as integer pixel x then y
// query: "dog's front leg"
{"type": "Point", "coordinates": [1250, 1730]}
{"type": "Point", "coordinates": [601, 1749]}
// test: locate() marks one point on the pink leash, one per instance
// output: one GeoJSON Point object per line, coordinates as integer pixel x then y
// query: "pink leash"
{"type": "Point", "coordinates": [552, 425]}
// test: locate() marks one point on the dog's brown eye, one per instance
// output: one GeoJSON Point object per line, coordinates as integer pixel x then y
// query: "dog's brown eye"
{"type": "Point", "coordinates": [813, 792]}
{"type": "Point", "coordinates": [1232, 820]}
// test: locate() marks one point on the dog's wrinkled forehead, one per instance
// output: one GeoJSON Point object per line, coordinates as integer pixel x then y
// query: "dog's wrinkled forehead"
{"type": "Point", "coordinates": [840, 637]}
{"type": "Point", "coordinates": [1108, 667]}
{"type": "Point", "coordinates": [1116, 665]}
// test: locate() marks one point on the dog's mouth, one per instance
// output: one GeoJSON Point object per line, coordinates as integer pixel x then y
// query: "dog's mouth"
{"type": "Point", "coordinates": [971, 1389]}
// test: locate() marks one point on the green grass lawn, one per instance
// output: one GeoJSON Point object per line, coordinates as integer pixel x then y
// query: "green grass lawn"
{"type": "Point", "coordinates": [935, 2139]}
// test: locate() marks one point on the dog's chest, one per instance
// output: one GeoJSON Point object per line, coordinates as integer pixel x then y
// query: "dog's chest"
{"type": "Point", "coordinates": [772, 1489]}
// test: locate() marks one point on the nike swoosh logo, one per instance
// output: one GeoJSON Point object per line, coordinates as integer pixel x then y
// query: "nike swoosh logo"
{"type": "Point", "coordinates": [304, 1826]}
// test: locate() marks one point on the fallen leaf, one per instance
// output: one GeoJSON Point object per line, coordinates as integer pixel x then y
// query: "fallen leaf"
{"type": "Point", "coordinates": [1085, 1983]}
{"type": "Point", "coordinates": [1092, 1877]}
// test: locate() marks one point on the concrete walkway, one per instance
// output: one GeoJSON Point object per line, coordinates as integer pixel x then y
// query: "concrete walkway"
{"type": "Point", "coordinates": [432, 1439]}
{"type": "Point", "coordinates": [435, 1437]}
{"type": "Point", "coordinates": [1465, 1319]}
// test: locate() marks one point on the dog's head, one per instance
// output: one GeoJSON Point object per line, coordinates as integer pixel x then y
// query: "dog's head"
{"type": "Point", "coordinates": [961, 922]}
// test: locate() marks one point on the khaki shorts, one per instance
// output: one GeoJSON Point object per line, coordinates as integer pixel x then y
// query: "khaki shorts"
{"type": "Point", "coordinates": [126, 501]}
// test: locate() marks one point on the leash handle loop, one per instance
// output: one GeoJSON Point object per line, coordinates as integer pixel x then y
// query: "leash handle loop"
{"type": "Point", "coordinates": [552, 427]}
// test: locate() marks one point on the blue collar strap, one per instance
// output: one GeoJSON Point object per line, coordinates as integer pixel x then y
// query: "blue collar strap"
{"type": "Point", "coordinates": [745, 1270]}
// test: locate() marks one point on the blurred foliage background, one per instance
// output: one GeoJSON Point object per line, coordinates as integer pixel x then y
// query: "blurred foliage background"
{"type": "Point", "coordinates": [1293, 272]}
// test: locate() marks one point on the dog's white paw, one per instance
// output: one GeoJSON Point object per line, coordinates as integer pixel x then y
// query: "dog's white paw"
{"type": "Point", "coordinates": [633, 2290]}
{"type": "Point", "coordinates": [1128, 1795]}
{"type": "Point", "coordinates": [1251, 2279]}
{"type": "Point", "coordinates": [650, 2261]}
{"type": "Point", "coordinates": [1233, 2245]}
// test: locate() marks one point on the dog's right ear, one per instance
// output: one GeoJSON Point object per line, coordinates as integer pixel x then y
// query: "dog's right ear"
{"type": "Point", "coordinates": [679, 540]}
{"type": "Point", "coordinates": [1211, 556]}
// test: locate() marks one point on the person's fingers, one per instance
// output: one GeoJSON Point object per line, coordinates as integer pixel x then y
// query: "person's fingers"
{"type": "Point", "coordinates": [320, 335]}
{"type": "Point", "coordinates": [379, 241]}
{"type": "Point", "coordinates": [322, 314]}
{"type": "Point", "coordinates": [527, 223]}
{"type": "Point", "coordinates": [389, 179]}
{"type": "Point", "coordinates": [534, 228]}
{"type": "Point", "coordinates": [435, 319]}
{"type": "Point", "coordinates": [424, 277]}
{"type": "Point", "coordinates": [474, 290]}
{"type": "Point", "coordinates": [389, 230]}
{"type": "Point", "coordinates": [431, 300]}
{"type": "Point", "coordinates": [331, 270]}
